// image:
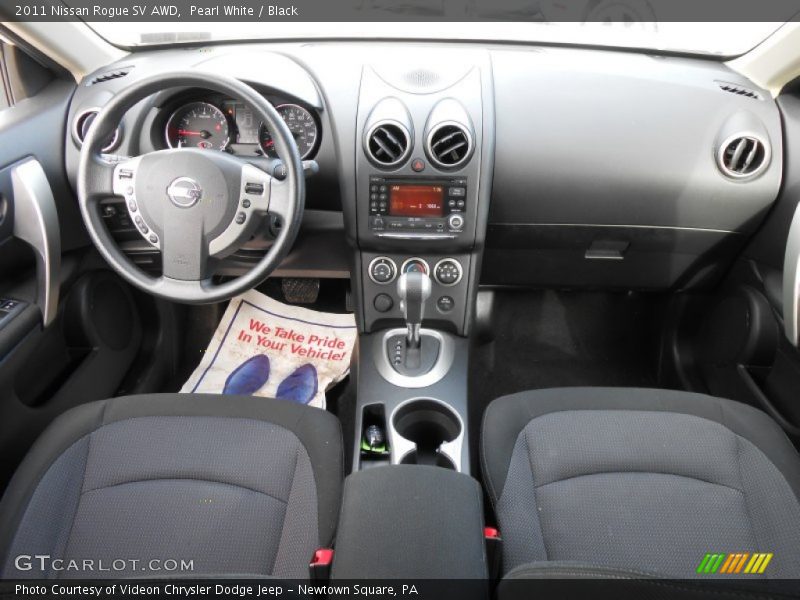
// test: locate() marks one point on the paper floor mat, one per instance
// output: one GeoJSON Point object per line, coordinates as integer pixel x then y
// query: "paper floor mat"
{"type": "Point", "coordinates": [265, 348]}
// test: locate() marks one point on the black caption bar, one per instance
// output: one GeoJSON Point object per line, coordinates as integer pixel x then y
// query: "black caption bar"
{"type": "Point", "coordinates": [375, 589]}
{"type": "Point", "coordinates": [401, 10]}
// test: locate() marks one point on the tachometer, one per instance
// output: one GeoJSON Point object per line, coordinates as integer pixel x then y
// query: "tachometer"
{"type": "Point", "coordinates": [302, 125]}
{"type": "Point", "coordinates": [198, 125]}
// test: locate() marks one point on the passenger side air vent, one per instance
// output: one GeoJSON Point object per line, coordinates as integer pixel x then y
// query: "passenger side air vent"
{"type": "Point", "coordinates": [449, 145]}
{"type": "Point", "coordinates": [739, 90]}
{"type": "Point", "coordinates": [109, 75]}
{"type": "Point", "coordinates": [743, 156]}
{"type": "Point", "coordinates": [388, 144]}
{"type": "Point", "coordinates": [81, 125]}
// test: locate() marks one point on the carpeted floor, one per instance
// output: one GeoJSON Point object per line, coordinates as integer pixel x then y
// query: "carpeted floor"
{"type": "Point", "coordinates": [558, 339]}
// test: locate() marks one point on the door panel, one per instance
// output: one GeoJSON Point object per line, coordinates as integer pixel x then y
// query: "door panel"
{"type": "Point", "coordinates": [71, 329]}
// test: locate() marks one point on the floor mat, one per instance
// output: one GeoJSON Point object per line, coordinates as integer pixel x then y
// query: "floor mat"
{"type": "Point", "coordinates": [558, 339]}
{"type": "Point", "coordinates": [265, 348]}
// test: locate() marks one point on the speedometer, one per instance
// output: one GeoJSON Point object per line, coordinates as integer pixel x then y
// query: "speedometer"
{"type": "Point", "coordinates": [302, 125]}
{"type": "Point", "coordinates": [198, 125]}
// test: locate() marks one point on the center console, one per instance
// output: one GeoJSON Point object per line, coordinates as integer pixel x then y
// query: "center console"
{"type": "Point", "coordinates": [424, 160]}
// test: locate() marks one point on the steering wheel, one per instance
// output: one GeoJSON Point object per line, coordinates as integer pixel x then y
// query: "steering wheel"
{"type": "Point", "coordinates": [195, 206]}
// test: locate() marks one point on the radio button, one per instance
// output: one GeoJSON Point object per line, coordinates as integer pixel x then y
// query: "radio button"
{"type": "Point", "coordinates": [382, 270]}
{"type": "Point", "coordinates": [458, 192]}
{"type": "Point", "coordinates": [455, 221]}
{"type": "Point", "coordinates": [445, 304]}
{"type": "Point", "coordinates": [377, 223]}
{"type": "Point", "coordinates": [383, 303]}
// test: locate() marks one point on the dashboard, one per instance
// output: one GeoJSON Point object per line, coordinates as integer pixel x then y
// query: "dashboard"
{"type": "Point", "coordinates": [554, 167]}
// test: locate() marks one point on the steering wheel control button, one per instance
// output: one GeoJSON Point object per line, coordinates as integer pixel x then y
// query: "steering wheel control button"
{"type": "Point", "coordinates": [448, 272]}
{"type": "Point", "coordinates": [245, 203]}
{"type": "Point", "coordinates": [241, 218]}
{"type": "Point", "coordinates": [415, 265]}
{"type": "Point", "coordinates": [153, 238]}
{"type": "Point", "coordinates": [254, 188]}
{"type": "Point", "coordinates": [418, 165]}
{"type": "Point", "coordinates": [383, 303]}
{"type": "Point", "coordinates": [456, 222]}
{"type": "Point", "coordinates": [445, 304]}
{"type": "Point", "coordinates": [132, 206]}
{"type": "Point", "coordinates": [382, 270]}
{"type": "Point", "coordinates": [125, 174]}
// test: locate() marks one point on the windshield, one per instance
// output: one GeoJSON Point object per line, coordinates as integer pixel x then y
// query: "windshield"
{"type": "Point", "coordinates": [723, 39]}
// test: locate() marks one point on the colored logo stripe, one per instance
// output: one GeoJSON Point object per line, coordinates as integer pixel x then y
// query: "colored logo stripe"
{"type": "Point", "coordinates": [735, 563]}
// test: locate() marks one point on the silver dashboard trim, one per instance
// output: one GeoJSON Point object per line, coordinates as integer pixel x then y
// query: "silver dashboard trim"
{"type": "Point", "coordinates": [791, 282]}
{"type": "Point", "coordinates": [458, 266]}
{"type": "Point", "coordinates": [440, 368]}
{"type": "Point", "coordinates": [387, 259]}
{"type": "Point", "coordinates": [400, 446]}
{"type": "Point", "coordinates": [36, 223]}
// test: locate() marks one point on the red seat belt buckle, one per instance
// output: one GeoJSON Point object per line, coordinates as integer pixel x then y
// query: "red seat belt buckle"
{"type": "Point", "coordinates": [320, 566]}
{"type": "Point", "coordinates": [494, 553]}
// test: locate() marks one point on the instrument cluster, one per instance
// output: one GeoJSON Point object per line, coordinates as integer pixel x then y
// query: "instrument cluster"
{"type": "Point", "coordinates": [229, 125]}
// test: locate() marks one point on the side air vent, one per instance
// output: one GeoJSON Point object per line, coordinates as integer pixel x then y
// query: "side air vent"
{"type": "Point", "coordinates": [739, 90]}
{"type": "Point", "coordinates": [449, 145]}
{"type": "Point", "coordinates": [81, 125]}
{"type": "Point", "coordinates": [388, 144]}
{"type": "Point", "coordinates": [108, 76]}
{"type": "Point", "coordinates": [743, 156]}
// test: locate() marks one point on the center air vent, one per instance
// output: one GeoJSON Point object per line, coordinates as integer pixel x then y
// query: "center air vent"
{"type": "Point", "coordinates": [743, 156]}
{"type": "Point", "coordinates": [449, 145]}
{"type": "Point", "coordinates": [81, 125]}
{"type": "Point", "coordinates": [388, 144]}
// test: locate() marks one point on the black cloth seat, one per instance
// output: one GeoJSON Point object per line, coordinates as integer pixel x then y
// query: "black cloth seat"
{"type": "Point", "coordinates": [638, 481]}
{"type": "Point", "coordinates": [237, 485]}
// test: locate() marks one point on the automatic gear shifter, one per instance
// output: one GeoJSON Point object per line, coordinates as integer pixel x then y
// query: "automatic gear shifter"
{"type": "Point", "coordinates": [414, 288]}
{"type": "Point", "coordinates": [413, 354]}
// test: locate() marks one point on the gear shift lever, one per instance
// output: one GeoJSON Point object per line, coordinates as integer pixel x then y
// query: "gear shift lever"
{"type": "Point", "coordinates": [414, 288]}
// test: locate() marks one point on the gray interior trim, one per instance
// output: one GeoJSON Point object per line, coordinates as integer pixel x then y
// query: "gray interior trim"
{"type": "Point", "coordinates": [36, 222]}
{"type": "Point", "coordinates": [791, 281]}
{"type": "Point", "coordinates": [401, 447]}
{"type": "Point", "coordinates": [442, 366]}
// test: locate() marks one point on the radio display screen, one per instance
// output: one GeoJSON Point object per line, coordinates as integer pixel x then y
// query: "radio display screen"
{"type": "Point", "coordinates": [406, 200]}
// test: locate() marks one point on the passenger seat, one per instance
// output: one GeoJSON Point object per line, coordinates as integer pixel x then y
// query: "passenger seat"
{"type": "Point", "coordinates": [639, 482]}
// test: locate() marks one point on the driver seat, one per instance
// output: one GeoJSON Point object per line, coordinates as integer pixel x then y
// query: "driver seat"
{"type": "Point", "coordinates": [238, 485]}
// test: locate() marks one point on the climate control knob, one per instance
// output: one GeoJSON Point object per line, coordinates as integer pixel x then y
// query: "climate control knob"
{"type": "Point", "coordinates": [448, 271]}
{"type": "Point", "coordinates": [382, 270]}
{"type": "Point", "coordinates": [455, 221]}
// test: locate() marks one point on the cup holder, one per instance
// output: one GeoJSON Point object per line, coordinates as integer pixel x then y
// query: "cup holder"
{"type": "Point", "coordinates": [428, 424]}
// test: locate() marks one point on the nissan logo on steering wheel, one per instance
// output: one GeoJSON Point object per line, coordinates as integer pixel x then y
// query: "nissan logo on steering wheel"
{"type": "Point", "coordinates": [184, 192]}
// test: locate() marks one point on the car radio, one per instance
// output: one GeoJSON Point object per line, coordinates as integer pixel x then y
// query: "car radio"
{"type": "Point", "coordinates": [416, 206]}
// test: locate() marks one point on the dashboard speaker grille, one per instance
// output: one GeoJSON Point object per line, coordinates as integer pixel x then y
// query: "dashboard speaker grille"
{"type": "Point", "coordinates": [449, 145]}
{"type": "Point", "coordinates": [743, 156]}
{"type": "Point", "coordinates": [387, 144]}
